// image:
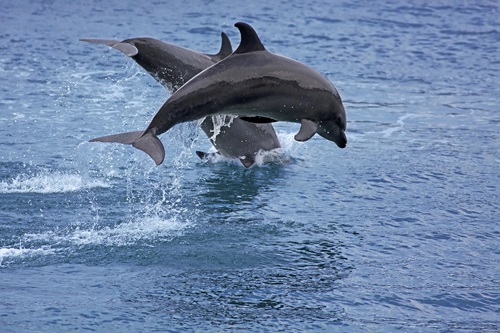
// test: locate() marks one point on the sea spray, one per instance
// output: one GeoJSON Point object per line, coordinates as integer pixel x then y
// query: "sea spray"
{"type": "Point", "coordinates": [50, 181]}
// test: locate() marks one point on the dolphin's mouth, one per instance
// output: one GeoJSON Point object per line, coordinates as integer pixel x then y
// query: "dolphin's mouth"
{"type": "Point", "coordinates": [341, 141]}
{"type": "Point", "coordinates": [336, 135]}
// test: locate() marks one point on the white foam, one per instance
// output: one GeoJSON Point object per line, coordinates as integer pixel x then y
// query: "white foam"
{"type": "Point", "coordinates": [142, 232]}
{"type": "Point", "coordinates": [281, 155]}
{"type": "Point", "coordinates": [139, 231]}
{"type": "Point", "coordinates": [275, 156]}
{"type": "Point", "coordinates": [145, 229]}
{"type": "Point", "coordinates": [50, 182]}
{"type": "Point", "coordinates": [11, 253]}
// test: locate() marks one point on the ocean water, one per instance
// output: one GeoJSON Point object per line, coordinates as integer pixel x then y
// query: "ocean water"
{"type": "Point", "coordinates": [398, 232]}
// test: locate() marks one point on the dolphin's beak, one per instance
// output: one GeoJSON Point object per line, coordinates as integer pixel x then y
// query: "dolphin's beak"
{"type": "Point", "coordinates": [341, 140]}
{"type": "Point", "coordinates": [335, 134]}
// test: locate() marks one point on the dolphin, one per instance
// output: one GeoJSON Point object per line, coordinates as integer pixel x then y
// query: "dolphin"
{"type": "Point", "coordinates": [253, 83]}
{"type": "Point", "coordinates": [173, 66]}
{"type": "Point", "coordinates": [169, 64]}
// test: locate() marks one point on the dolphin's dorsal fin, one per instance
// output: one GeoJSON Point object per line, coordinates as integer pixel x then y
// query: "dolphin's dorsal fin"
{"type": "Point", "coordinates": [250, 41]}
{"type": "Point", "coordinates": [226, 48]}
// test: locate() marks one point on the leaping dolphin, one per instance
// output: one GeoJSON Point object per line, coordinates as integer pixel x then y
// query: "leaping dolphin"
{"type": "Point", "coordinates": [169, 64]}
{"type": "Point", "coordinates": [173, 66]}
{"type": "Point", "coordinates": [253, 83]}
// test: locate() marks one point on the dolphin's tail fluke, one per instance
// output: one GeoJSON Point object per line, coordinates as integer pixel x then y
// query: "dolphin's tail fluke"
{"type": "Point", "coordinates": [151, 145]}
{"type": "Point", "coordinates": [126, 48]}
{"type": "Point", "coordinates": [147, 142]}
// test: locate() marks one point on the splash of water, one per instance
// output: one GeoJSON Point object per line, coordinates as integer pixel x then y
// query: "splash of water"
{"type": "Point", "coordinates": [282, 155]}
{"type": "Point", "coordinates": [9, 253]}
{"type": "Point", "coordinates": [219, 121]}
{"type": "Point", "coordinates": [48, 181]}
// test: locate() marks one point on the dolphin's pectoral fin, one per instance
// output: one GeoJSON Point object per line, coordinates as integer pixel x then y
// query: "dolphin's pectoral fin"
{"type": "Point", "coordinates": [258, 120]}
{"type": "Point", "coordinates": [148, 143]}
{"type": "Point", "coordinates": [247, 161]}
{"type": "Point", "coordinates": [307, 130]}
{"type": "Point", "coordinates": [128, 49]}
{"type": "Point", "coordinates": [151, 145]}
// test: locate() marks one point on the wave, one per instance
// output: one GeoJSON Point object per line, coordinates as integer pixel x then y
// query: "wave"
{"type": "Point", "coordinates": [146, 231]}
{"type": "Point", "coordinates": [50, 182]}
{"type": "Point", "coordinates": [140, 231]}
{"type": "Point", "coordinates": [7, 253]}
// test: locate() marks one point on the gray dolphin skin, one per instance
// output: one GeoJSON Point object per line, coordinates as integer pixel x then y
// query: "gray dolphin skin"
{"type": "Point", "coordinates": [173, 66]}
{"type": "Point", "coordinates": [253, 83]}
{"type": "Point", "coordinates": [169, 64]}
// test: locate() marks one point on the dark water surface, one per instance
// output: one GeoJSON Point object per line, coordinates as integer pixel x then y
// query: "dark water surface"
{"type": "Point", "coordinates": [397, 232]}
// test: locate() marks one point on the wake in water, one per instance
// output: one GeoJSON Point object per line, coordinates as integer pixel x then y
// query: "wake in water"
{"type": "Point", "coordinates": [47, 181]}
{"type": "Point", "coordinates": [8, 254]}
{"type": "Point", "coordinates": [150, 220]}
{"type": "Point", "coordinates": [152, 204]}
{"type": "Point", "coordinates": [142, 231]}
{"type": "Point", "coordinates": [141, 205]}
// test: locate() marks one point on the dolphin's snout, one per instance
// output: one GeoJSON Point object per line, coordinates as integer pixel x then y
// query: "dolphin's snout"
{"type": "Point", "coordinates": [342, 140]}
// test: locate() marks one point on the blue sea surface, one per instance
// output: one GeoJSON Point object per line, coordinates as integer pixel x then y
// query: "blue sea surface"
{"type": "Point", "coordinates": [398, 232]}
